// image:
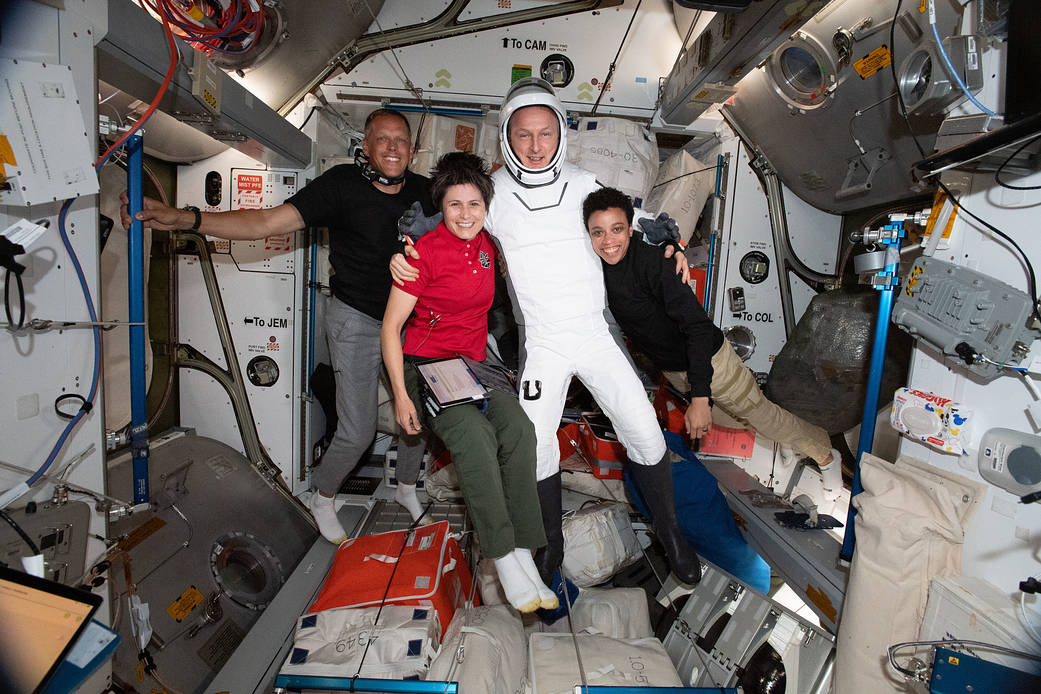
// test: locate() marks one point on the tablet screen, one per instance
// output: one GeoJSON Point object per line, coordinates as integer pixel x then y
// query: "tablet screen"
{"type": "Point", "coordinates": [39, 622]}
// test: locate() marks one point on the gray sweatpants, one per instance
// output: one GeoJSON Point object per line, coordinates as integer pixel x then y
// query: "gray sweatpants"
{"type": "Point", "coordinates": [354, 350]}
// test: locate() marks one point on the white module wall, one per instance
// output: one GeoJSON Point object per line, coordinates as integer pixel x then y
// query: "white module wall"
{"type": "Point", "coordinates": [37, 367]}
{"type": "Point", "coordinates": [1002, 540]}
{"type": "Point", "coordinates": [262, 287]}
{"type": "Point", "coordinates": [477, 68]}
{"type": "Point", "coordinates": [747, 237]}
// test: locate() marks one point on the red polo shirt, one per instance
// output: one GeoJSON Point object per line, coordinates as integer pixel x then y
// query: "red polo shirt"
{"type": "Point", "coordinates": [454, 291]}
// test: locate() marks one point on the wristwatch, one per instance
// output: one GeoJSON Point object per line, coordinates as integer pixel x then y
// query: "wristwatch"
{"type": "Point", "coordinates": [198, 217]}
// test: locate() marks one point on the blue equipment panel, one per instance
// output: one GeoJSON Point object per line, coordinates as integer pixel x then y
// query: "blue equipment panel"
{"type": "Point", "coordinates": [957, 673]}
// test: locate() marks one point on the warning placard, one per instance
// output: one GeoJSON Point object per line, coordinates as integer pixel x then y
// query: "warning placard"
{"type": "Point", "coordinates": [183, 606]}
{"type": "Point", "coordinates": [249, 191]}
{"type": "Point", "coordinates": [874, 61]}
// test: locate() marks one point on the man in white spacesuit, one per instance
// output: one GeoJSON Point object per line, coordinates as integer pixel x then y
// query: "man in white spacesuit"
{"type": "Point", "coordinates": [557, 286]}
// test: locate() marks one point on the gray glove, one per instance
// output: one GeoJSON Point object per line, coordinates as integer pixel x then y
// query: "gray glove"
{"type": "Point", "coordinates": [661, 229]}
{"type": "Point", "coordinates": [413, 223]}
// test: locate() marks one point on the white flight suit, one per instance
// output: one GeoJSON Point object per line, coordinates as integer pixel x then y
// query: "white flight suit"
{"type": "Point", "coordinates": [558, 287]}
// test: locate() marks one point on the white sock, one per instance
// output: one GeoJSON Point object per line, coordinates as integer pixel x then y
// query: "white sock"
{"type": "Point", "coordinates": [520, 591]}
{"type": "Point", "coordinates": [323, 509]}
{"type": "Point", "coordinates": [548, 600]}
{"type": "Point", "coordinates": [831, 474]}
{"type": "Point", "coordinates": [406, 496]}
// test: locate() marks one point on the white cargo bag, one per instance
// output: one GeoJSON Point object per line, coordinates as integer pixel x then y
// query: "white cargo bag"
{"type": "Point", "coordinates": [599, 541]}
{"type": "Point", "coordinates": [578, 477]}
{"type": "Point", "coordinates": [620, 613]}
{"type": "Point", "coordinates": [443, 484]}
{"type": "Point", "coordinates": [442, 134]}
{"type": "Point", "coordinates": [488, 583]}
{"type": "Point", "coordinates": [553, 665]}
{"type": "Point", "coordinates": [331, 642]}
{"type": "Point", "coordinates": [683, 186]}
{"type": "Point", "coordinates": [492, 659]}
{"type": "Point", "coordinates": [623, 154]}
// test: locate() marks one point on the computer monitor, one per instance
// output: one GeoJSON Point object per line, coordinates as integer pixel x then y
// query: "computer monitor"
{"type": "Point", "coordinates": [40, 620]}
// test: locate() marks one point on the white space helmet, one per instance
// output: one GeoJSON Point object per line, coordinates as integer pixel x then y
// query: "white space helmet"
{"type": "Point", "coordinates": [532, 91]}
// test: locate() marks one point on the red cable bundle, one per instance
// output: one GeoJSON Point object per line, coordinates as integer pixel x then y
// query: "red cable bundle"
{"type": "Point", "coordinates": [233, 30]}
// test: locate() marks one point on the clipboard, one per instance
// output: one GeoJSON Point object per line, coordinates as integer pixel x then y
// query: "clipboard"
{"type": "Point", "coordinates": [447, 383]}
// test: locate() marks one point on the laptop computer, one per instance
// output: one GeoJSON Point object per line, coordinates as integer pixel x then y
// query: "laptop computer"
{"type": "Point", "coordinates": [40, 620]}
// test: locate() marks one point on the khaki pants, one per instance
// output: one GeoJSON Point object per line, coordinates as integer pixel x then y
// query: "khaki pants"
{"type": "Point", "coordinates": [735, 391]}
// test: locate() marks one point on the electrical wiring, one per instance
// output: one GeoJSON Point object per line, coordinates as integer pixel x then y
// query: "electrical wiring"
{"type": "Point", "coordinates": [96, 371]}
{"type": "Point", "coordinates": [175, 58]}
{"type": "Point", "coordinates": [1001, 365]}
{"type": "Point", "coordinates": [309, 114]}
{"type": "Point", "coordinates": [405, 81]}
{"type": "Point", "coordinates": [95, 329]}
{"type": "Point", "coordinates": [896, 80]}
{"type": "Point", "coordinates": [11, 322]}
{"type": "Point", "coordinates": [233, 34]}
{"type": "Point", "coordinates": [21, 533]}
{"type": "Point", "coordinates": [689, 173]}
{"type": "Point", "coordinates": [997, 174]}
{"type": "Point", "coordinates": [610, 70]}
{"type": "Point", "coordinates": [1031, 276]}
{"type": "Point", "coordinates": [947, 62]}
{"type": "Point", "coordinates": [1026, 620]}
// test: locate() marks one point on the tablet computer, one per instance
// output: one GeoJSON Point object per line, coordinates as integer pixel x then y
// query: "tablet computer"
{"type": "Point", "coordinates": [449, 382]}
{"type": "Point", "coordinates": [40, 620]}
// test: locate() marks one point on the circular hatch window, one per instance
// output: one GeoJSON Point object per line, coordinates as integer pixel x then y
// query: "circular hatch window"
{"type": "Point", "coordinates": [802, 72]}
{"type": "Point", "coordinates": [246, 570]}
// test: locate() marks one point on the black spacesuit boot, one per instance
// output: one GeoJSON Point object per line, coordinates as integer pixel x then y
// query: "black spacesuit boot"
{"type": "Point", "coordinates": [549, 558]}
{"type": "Point", "coordinates": [655, 484]}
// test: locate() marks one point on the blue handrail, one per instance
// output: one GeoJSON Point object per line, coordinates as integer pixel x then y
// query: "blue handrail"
{"type": "Point", "coordinates": [136, 272]}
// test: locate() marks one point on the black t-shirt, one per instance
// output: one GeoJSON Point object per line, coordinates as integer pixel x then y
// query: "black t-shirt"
{"type": "Point", "coordinates": [661, 315]}
{"type": "Point", "coordinates": [363, 230]}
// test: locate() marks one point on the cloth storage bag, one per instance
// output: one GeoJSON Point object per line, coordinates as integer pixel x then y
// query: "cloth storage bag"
{"type": "Point", "coordinates": [620, 613]}
{"type": "Point", "coordinates": [331, 643]}
{"type": "Point", "coordinates": [492, 659]}
{"type": "Point", "coordinates": [911, 524]}
{"type": "Point", "coordinates": [553, 664]}
{"type": "Point", "coordinates": [429, 564]}
{"type": "Point", "coordinates": [599, 541]}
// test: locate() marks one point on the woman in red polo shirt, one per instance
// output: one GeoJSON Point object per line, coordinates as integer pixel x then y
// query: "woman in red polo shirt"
{"type": "Point", "coordinates": [492, 445]}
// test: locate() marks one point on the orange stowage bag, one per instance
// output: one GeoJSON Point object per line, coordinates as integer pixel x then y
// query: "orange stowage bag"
{"type": "Point", "coordinates": [431, 569]}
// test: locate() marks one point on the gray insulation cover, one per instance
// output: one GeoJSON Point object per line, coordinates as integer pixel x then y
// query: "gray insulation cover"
{"type": "Point", "coordinates": [821, 372]}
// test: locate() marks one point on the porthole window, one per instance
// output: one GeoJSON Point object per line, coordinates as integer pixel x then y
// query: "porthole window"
{"type": "Point", "coordinates": [803, 73]}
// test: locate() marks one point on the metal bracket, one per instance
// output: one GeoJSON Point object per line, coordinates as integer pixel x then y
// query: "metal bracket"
{"type": "Point", "coordinates": [871, 161]}
{"type": "Point", "coordinates": [880, 281]}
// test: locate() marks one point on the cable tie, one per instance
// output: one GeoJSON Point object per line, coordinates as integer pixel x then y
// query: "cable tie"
{"type": "Point", "coordinates": [70, 396]}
